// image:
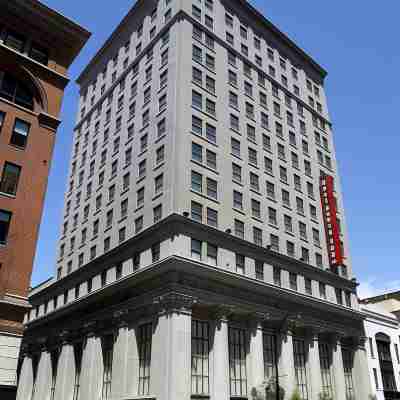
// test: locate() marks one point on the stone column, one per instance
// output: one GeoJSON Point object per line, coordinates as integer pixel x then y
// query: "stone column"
{"type": "Point", "coordinates": [120, 362]}
{"type": "Point", "coordinates": [220, 349]}
{"type": "Point", "coordinates": [44, 376]}
{"type": "Point", "coordinates": [362, 383]}
{"type": "Point", "coordinates": [314, 365]}
{"type": "Point", "coordinates": [256, 373]}
{"type": "Point", "coordinates": [25, 383]}
{"type": "Point", "coordinates": [132, 363]}
{"type": "Point", "coordinates": [287, 378]}
{"type": "Point", "coordinates": [338, 370]}
{"type": "Point", "coordinates": [92, 367]}
{"type": "Point", "coordinates": [65, 370]}
{"type": "Point", "coordinates": [171, 379]}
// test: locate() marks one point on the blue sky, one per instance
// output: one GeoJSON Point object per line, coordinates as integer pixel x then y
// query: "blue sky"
{"type": "Point", "coordinates": [357, 42]}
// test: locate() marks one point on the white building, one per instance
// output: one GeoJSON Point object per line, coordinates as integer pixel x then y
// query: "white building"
{"type": "Point", "coordinates": [383, 336]}
{"type": "Point", "coordinates": [204, 234]}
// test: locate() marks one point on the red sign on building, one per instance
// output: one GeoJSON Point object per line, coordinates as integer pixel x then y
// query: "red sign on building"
{"type": "Point", "coordinates": [332, 228]}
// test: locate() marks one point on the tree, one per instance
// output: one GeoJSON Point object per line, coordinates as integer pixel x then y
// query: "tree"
{"type": "Point", "coordinates": [296, 396]}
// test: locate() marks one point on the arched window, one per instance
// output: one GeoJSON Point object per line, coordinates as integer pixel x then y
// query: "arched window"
{"type": "Point", "coordinates": [15, 91]}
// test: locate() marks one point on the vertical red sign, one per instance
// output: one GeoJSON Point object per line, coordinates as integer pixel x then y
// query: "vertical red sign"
{"type": "Point", "coordinates": [329, 210]}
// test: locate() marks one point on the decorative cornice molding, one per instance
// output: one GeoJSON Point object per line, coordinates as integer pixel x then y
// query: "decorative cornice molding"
{"type": "Point", "coordinates": [174, 302]}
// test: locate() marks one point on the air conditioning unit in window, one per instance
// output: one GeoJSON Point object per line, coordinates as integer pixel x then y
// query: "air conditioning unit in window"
{"type": "Point", "coordinates": [228, 231]}
{"type": "Point", "coordinates": [186, 214]}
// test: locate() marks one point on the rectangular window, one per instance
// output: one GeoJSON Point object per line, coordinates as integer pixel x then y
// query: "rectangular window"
{"type": "Point", "coordinates": [144, 350]}
{"type": "Point", "coordinates": [19, 136]}
{"type": "Point", "coordinates": [195, 252]}
{"type": "Point", "coordinates": [212, 254]}
{"type": "Point", "coordinates": [237, 362]}
{"type": "Point", "coordinates": [269, 350]}
{"type": "Point", "coordinates": [10, 179]}
{"type": "Point", "coordinates": [259, 270]}
{"type": "Point", "coordinates": [155, 252]}
{"type": "Point", "coordinates": [325, 357]}
{"type": "Point", "coordinates": [300, 366]}
{"type": "Point", "coordinates": [240, 264]}
{"type": "Point", "coordinates": [5, 220]}
{"type": "Point", "coordinates": [239, 229]}
{"type": "Point", "coordinates": [107, 344]}
{"type": "Point", "coordinates": [197, 212]}
{"type": "Point", "coordinates": [347, 356]}
{"type": "Point", "coordinates": [197, 182]}
{"type": "Point", "coordinates": [200, 376]}
{"type": "Point", "coordinates": [212, 217]}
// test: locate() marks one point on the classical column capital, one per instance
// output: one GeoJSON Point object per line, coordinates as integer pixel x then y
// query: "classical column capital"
{"type": "Point", "coordinates": [89, 328]}
{"type": "Point", "coordinates": [223, 312]}
{"type": "Point", "coordinates": [257, 319]}
{"type": "Point", "coordinates": [174, 302]}
{"type": "Point", "coordinates": [120, 318]}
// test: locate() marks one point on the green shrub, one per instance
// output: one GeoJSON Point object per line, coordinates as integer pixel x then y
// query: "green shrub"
{"type": "Point", "coordinates": [296, 396]}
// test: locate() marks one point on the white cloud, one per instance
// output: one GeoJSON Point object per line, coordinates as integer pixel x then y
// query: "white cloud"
{"type": "Point", "coordinates": [372, 287]}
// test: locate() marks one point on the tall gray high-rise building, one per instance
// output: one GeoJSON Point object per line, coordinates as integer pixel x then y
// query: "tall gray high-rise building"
{"type": "Point", "coordinates": [204, 250]}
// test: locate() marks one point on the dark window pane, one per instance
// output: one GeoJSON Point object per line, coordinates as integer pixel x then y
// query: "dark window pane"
{"type": "Point", "coordinates": [39, 54]}
{"type": "Point", "coordinates": [15, 41]}
{"type": "Point", "coordinates": [20, 133]}
{"type": "Point", "coordinates": [5, 218]}
{"type": "Point", "coordinates": [10, 178]}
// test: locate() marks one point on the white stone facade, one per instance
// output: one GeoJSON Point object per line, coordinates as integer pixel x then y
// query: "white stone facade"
{"type": "Point", "coordinates": [193, 260]}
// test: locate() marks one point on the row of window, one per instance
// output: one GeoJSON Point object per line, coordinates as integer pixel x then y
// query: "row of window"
{"type": "Point", "coordinates": [22, 44]}
{"type": "Point", "coordinates": [207, 252]}
{"type": "Point", "coordinates": [125, 52]}
{"type": "Point", "coordinates": [201, 350]}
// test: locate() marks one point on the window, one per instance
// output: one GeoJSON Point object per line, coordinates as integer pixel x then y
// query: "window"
{"type": "Point", "coordinates": [138, 225]}
{"type": "Point", "coordinates": [277, 276]}
{"type": "Point", "coordinates": [107, 345]}
{"type": "Point", "coordinates": [144, 351]}
{"type": "Point", "coordinates": [196, 212]}
{"type": "Point", "coordinates": [274, 243]}
{"type": "Point", "coordinates": [339, 296]}
{"type": "Point", "coordinates": [200, 358]}
{"type": "Point", "coordinates": [239, 229]}
{"type": "Point", "coordinates": [158, 184]}
{"type": "Point", "coordinates": [322, 291]}
{"type": "Point", "coordinates": [54, 356]}
{"type": "Point", "coordinates": [157, 213]}
{"type": "Point", "coordinates": [197, 100]}
{"type": "Point", "coordinates": [140, 197]}
{"type": "Point", "coordinates": [237, 173]}
{"type": "Point", "coordinates": [259, 270]}
{"type": "Point", "coordinates": [255, 209]}
{"type": "Point", "coordinates": [234, 123]}
{"type": "Point", "coordinates": [160, 155]}
{"type": "Point", "coordinates": [237, 362]}
{"type": "Point", "coordinates": [20, 133]}
{"type": "Point", "coordinates": [197, 182]}
{"type": "Point", "coordinates": [269, 350]}
{"type": "Point", "coordinates": [254, 182]}
{"type": "Point", "coordinates": [288, 223]}
{"type": "Point", "coordinates": [237, 200]}
{"type": "Point", "coordinates": [10, 179]}
{"type": "Point", "coordinates": [15, 91]}
{"type": "Point", "coordinates": [325, 357]}
{"type": "Point", "coordinates": [293, 281]}
{"type": "Point", "coordinates": [235, 147]}
{"type": "Point", "coordinates": [155, 252]}
{"type": "Point", "coordinates": [300, 366]}
{"type": "Point", "coordinates": [5, 220]}
{"type": "Point", "coordinates": [253, 157]}
{"type": "Point", "coordinates": [212, 217]}
{"type": "Point", "coordinates": [196, 246]}
{"type": "Point", "coordinates": [347, 356]}
{"type": "Point", "coordinates": [308, 286]}
{"type": "Point", "coordinates": [257, 236]}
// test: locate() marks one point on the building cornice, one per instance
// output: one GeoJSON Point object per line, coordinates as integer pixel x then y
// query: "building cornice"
{"type": "Point", "coordinates": [177, 17]}
{"type": "Point", "coordinates": [70, 35]}
{"type": "Point", "coordinates": [253, 11]}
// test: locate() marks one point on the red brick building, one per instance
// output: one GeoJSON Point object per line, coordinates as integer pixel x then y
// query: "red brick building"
{"type": "Point", "coordinates": [37, 45]}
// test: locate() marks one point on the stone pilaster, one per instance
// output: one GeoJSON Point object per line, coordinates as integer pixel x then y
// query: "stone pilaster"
{"type": "Point", "coordinates": [44, 376]}
{"type": "Point", "coordinates": [362, 382]}
{"type": "Point", "coordinates": [220, 388]}
{"type": "Point", "coordinates": [170, 375]}
{"type": "Point", "coordinates": [25, 383]}
{"type": "Point", "coordinates": [314, 366]}
{"type": "Point", "coordinates": [92, 366]}
{"type": "Point", "coordinates": [66, 369]}
{"type": "Point", "coordinates": [120, 359]}
{"type": "Point", "coordinates": [287, 378]}
{"type": "Point", "coordinates": [338, 370]}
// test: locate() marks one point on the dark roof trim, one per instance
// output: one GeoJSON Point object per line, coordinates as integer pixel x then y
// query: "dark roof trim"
{"type": "Point", "coordinates": [289, 42]}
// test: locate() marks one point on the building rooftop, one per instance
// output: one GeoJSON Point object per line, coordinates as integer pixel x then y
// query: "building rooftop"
{"type": "Point", "coordinates": [72, 35]}
{"type": "Point", "coordinates": [252, 10]}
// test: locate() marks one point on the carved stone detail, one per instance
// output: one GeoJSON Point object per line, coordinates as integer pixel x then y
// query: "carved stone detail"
{"type": "Point", "coordinates": [174, 301]}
